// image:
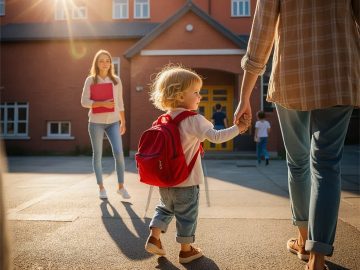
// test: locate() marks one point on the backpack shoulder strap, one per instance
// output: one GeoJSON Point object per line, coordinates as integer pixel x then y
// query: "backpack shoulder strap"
{"type": "Point", "coordinates": [182, 116]}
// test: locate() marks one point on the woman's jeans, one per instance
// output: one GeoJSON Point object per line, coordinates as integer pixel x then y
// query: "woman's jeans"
{"type": "Point", "coordinates": [112, 131]}
{"type": "Point", "coordinates": [183, 202]}
{"type": "Point", "coordinates": [261, 146]}
{"type": "Point", "coordinates": [314, 170]}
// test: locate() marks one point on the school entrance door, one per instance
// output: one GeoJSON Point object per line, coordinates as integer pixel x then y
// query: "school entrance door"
{"type": "Point", "coordinates": [211, 95]}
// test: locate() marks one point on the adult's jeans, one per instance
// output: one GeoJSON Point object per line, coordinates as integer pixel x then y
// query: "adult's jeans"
{"type": "Point", "coordinates": [261, 147]}
{"type": "Point", "coordinates": [112, 131]}
{"type": "Point", "coordinates": [314, 170]}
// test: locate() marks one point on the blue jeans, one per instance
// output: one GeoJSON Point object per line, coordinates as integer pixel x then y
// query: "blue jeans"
{"type": "Point", "coordinates": [183, 202]}
{"type": "Point", "coordinates": [314, 170]}
{"type": "Point", "coordinates": [261, 146]}
{"type": "Point", "coordinates": [112, 130]}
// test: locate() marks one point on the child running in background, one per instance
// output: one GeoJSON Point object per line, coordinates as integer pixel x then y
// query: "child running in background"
{"type": "Point", "coordinates": [262, 130]}
{"type": "Point", "coordinates": [177, 89]}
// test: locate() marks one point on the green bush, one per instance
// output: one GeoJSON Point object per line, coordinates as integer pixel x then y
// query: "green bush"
{"type": "Point", "coordinates": [81, 151]}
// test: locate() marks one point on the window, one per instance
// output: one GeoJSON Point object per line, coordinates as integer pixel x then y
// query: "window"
{"type": "Point", "coordinates": [142, 9]}
{"type": "Point", "coordinates": [14, 119]}
{"type": "Point", "coordinates": [60, 13]}
{"type": "Point", "coordinates": [2, 7]}
{"type": "Point", "coordinates": [116, 63]}
{"type": "Point", "coordinates": [240, 8]}
{"type": "Point", "coordinates": [58, 130]}
{"type": "Point", "coordinates": [265, 105]}
{"type": "Point", "coordinates": [79, 13]}
{"type": "Point", "coordinates": [121, 9]}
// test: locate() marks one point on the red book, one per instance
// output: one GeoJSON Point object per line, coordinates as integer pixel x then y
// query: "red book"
{"type": "Point", "coordinates": [101, 92]}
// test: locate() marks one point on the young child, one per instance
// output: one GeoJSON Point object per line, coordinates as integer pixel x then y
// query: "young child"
{"type": "Point", "coordinates": [176, 89]}
{"type": "Point", "coordinates": [262, 129]}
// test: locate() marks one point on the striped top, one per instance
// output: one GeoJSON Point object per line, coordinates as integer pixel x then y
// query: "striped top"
{"type": "Point", "coordinates": [316, 61]}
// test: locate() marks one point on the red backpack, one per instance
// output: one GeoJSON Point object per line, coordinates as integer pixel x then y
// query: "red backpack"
{"type": "Point", "coordinates": [160, 158]}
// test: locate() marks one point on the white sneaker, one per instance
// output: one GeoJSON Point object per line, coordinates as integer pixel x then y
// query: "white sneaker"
{"type": "Point", "coordinates": [102, 194]}
{"type": "Point", "coordinates": [123, 192]}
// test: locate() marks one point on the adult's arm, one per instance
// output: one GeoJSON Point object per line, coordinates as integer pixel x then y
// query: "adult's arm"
{"type": "Point", "coordinates": [259, 48]}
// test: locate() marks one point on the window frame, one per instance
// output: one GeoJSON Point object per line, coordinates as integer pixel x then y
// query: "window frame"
{"type": "Point", "coordinates": [141, 4]}
{"type": "Point", "coordinates": [2, 3]}
{"type": "Point", "coordinates": [16, 120]}
{"type": "Point", "coordinates": [265, 95]}
{"type": "Point", "coordinates": [240, 16]}
{"type": "Point", "coordinates": [116, 60]}
{"type": "Point", "coordinates": [76, 10]}
{"type": "Point", "coordinates": [121, 7]}
{"type": "Point", "coordinates": [49, 134]}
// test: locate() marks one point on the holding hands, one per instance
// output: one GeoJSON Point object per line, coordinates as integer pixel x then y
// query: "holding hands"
{"type": "Point", "coordinates": [243, 123]}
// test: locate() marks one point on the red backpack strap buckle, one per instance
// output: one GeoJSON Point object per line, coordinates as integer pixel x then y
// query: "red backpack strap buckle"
{"type": "Point", "coordinates": [163, 119]}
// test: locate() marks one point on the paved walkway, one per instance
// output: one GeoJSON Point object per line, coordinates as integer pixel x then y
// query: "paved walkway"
{"type": "Point", "coordinates": [58, 222]}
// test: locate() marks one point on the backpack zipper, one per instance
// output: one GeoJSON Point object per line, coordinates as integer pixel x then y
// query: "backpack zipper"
{"type": "Point", "coordinates": [172, 139]}
{"type": "Point", "coordinates": [147, 155]}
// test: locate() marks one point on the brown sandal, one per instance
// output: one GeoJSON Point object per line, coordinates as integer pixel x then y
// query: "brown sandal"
{"type": "Point", "coordinates": [307, 267]}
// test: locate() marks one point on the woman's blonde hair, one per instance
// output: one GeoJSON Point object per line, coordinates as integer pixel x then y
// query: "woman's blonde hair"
{"type": "Point", "coordinates": [169, 83]}
{"type": "Point", "coordinates": [94, 72]}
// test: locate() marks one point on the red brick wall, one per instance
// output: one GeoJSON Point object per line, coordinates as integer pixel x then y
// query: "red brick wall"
{"type": "Point", "coordinates": [50, 78]}
{"type": "Point", "coordinates": [26, 11]}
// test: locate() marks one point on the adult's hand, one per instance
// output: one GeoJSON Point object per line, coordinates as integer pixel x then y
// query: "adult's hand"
{"type": "Point", "coordinates": [109, 103]}
{"type": "Point", "coordinates": [243, 108]}
{"type": "Point", "coordinates": [122, 129]}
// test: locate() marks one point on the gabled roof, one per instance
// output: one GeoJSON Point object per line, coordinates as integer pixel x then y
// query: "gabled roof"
{"type": "Point", "coordinates": [78, 30]}
{"type": "Point", "coordinates": [189, 6]}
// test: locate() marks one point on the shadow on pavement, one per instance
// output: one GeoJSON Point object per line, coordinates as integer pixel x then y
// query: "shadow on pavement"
{"type": "Point", "coordinates": [333, 266]}
{"type": "Point", "coordinates": [165, 264]}
{"type": "Point", "coordinates": [130, 245]}
{"type": "Point", "coordinates": [202, 263]}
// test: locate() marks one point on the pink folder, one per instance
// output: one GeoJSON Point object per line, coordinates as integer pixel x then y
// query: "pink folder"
{"type": "Point", "coordinates": [101, 92]}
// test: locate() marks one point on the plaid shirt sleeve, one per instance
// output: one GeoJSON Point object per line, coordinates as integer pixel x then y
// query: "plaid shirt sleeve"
{"type": "Point", "coordinates": [262, 36]}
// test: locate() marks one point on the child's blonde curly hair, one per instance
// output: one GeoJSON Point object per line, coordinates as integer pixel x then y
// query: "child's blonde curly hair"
{"type": "Point", "coordinates": [169, 83]}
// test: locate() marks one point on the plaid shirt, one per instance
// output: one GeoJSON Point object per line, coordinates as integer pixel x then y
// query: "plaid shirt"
{"type": "Point", "coordinates": [316, 62]}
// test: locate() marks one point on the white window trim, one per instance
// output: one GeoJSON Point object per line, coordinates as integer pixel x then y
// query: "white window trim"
{"type": "Point", "coordinates": [241, 16]}
{"type": "Point", "coordinates": [16, 121]}
{"type": "Point", "coordinates": [117, 61]}
{"type": "Point", "coordinates": [121, 5]}
{"type": "Point", "coordinates": [141, 17]}
{"type": "Point", "coordinates": [2, 2]}
{"type": "Point", "coordinates": [264, 95]}
{"type": "Point", "coordinates": [194, 52]}
{"type": "Point", "coordinates": [63, 18]}
{"type": "Point", "coordinates": [76, 10]}
{"type": "Point", "coordinates": [58, 136]}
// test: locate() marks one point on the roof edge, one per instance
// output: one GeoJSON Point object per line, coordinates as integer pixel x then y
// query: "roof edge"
{"type": "Point", "coordinates": [189, 6]}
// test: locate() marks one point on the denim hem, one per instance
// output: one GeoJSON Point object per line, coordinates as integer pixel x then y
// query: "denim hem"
{"type": "Point", "coordinates": [301, 223]}
{"type": "Point", "coordinates": [159, 224]}
{"type": "Point", "coordinates": [185, 239]}
{"type": "Point", "coordinates": [318, 247]}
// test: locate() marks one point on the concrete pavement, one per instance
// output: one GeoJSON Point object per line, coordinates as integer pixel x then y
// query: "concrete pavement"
{"type": "Point", "coordinates": [58, 222]}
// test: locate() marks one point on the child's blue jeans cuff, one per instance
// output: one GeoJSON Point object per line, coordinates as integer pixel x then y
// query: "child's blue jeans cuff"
{"type": "Point", "coordinates": [159, 224]}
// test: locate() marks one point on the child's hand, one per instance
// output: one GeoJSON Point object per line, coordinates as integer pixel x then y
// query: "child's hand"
{"type": "Point", "coordinates": [243, 124]}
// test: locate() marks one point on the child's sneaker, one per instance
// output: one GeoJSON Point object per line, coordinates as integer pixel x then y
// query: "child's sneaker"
{"type": "Point", "coordinates": [294, 247]}
{"type": "Point", "coordinates": [188, 256]}
{"type": "Point", "coordinates": [123, 192]}
{"type": "Point", "coordinates": [102, 194]}
{"type": "Point", "coordinates": [154, 246]}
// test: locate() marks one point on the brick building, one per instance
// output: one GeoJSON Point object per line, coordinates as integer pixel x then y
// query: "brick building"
{"type": "Point", "coordinates": [47, 49]}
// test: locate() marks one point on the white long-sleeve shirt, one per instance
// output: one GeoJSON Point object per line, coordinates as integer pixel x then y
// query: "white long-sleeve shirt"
{"type": "Point", "coordinates": [103, 118]}
{"type": "Point", "coordinates": [196, 129]}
